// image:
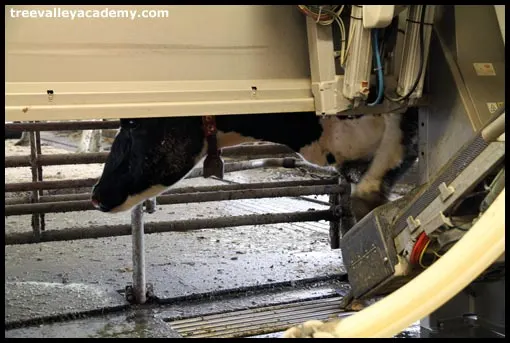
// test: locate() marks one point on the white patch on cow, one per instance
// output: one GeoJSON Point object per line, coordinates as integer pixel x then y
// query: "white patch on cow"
{"type": "Point", "coordinates": [389, 155]}
{"type": "Point", "coordinates": [314, 153]}
{"type": "Point", "coordinates": [367, 137]}
{"type": "Point", "coordinates": [226, 139]}
{"type": "Point", "coordinates": [376, 137]}
{"type": "Point", "coordinates": [352, 139]}
{"type": "Point", "coordinates": [133, 200]}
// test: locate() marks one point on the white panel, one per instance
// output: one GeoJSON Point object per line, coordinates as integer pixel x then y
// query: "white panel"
{"type": "Point", "coordinates": [193, 43]}
{"type": "Point", "coordinates": [265, 45]}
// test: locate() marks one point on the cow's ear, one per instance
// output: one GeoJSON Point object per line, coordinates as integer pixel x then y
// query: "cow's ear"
{"type": "Point", "coordinates": [129, 123]}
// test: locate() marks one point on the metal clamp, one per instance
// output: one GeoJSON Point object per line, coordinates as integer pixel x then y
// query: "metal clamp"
{"type": "Point", "coordinates": [130, 293]}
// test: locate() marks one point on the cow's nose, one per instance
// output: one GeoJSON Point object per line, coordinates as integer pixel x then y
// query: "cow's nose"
{"type": "Point", "coordinates": [99, 206]}
{"type": "Point", "coordinates": [95, 203]}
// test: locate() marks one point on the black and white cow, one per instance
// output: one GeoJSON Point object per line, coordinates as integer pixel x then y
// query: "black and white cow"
{"type": "Point", "coordinates": [149, 155]}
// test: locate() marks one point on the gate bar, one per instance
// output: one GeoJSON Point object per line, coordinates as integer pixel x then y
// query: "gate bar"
{"type": "Point", "coordinates": [171, 226]}
{"type": "Point", "coordinates": [85, 205]}
{"type": "Point", "coordinates": [138, 242]}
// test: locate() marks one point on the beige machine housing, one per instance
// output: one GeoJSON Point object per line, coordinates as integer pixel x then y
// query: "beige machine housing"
{"type": "Point", "coordinates": [198, 60]}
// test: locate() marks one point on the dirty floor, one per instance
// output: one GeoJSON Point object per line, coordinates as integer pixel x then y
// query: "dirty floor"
{"type": "Point", "coordinates": [78, 285]}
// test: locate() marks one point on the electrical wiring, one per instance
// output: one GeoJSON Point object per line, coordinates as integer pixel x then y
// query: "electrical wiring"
{"type": "Point", "coordinates": [437, 254]}
{"type": "Point", "coordinates": [378, 67]}
{"type": "Point", "coordinates": [423, 253]}
{"type": "Point", "coordinates": [419, 246]}
{"type": "Point", "coordinates": [422, 60]}
{"type": "Point", "coordinates": [326, 16]}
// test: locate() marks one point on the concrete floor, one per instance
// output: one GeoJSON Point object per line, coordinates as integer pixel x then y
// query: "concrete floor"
{"type": "Point", "coordinates": [54, 279]}
{"type": "Point", "coordinates": [74, 289]}
{"type": "Point", "coordinates": [247, 266]}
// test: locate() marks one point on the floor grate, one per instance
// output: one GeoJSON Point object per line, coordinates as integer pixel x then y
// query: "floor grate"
{"type": "Point", "coordinates": [258, 321]}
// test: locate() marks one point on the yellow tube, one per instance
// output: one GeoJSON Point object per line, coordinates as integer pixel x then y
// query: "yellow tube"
{"type": "Point", "coordinates": [458, 267]}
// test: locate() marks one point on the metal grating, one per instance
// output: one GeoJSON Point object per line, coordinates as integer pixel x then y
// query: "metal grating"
{"type": "Point", "coordinates": [469, 152]}
{"type": "Point", "coordinates": [258, 321]}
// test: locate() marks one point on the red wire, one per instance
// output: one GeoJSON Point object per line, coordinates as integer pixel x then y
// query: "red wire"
{"type": "Point", "coordinates": [420, 244]}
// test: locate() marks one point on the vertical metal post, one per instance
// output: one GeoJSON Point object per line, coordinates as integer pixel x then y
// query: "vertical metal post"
{"type": "Point", "coordinates": [39, 173]}
{"type": "Point", "coordinates": [341, 204]}
{"type": "Point", "coordinates": [36, 225]}
{"type": "Point", "coordinates": [334, 226]}
{"type": "Point", "coordinates": [347, 219]}
{"type": "Point", "coordinates": [139, 287]}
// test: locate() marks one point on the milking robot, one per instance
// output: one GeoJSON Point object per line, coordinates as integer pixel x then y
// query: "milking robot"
{"type": "Point", "coordinates": [448, 61]}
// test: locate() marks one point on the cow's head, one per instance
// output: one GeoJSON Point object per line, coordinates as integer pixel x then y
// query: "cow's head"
{"type": "Point", "coordinates": [147, 156]}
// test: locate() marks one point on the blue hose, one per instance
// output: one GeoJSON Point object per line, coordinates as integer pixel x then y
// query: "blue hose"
{"type": "Point", "coordinates": [380, 76]}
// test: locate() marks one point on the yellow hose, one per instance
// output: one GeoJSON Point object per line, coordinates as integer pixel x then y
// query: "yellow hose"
{"type": "Point", "coordinates": [458, 267]}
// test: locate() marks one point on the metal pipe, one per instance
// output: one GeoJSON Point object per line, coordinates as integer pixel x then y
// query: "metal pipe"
{"type": "Point", "coordinates": [57, 159]}
{"type": "Point", "coordinates": [63, 125]}
{"type": "Point", "coordinates": [341, 203]}
{"type": "Point", "coordinates": [34, 198]}
{"type": "Point", "coordinates": [81, 205]}
{"type": "Point", "coordinates": [28, 186]}
{"type": "Point", "coordinates": [496, 128]}
{"type": "Point", "coordinates": [139, 291]}
{"type": "Point", "coordinates": [334, 225]}
{"type": "Point", "coordinates": [184, 190]}
{"type": "Point", "coordinates": [197, 172]}
{"type": "Point", "coordinates": [346, 221]}
{"type": "Point", "coordinates": [100, 157]}
{"type": "Point", "coordinates": [258, 149]}
{"type": "Point", "coordinates": [39, 174]}
{"type": "Point", "coordinates": [286, 162]}
{"type": "Point", "coordinates": [172, 226]}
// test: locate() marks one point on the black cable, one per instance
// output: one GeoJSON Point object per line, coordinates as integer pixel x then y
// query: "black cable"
{"type": "Point", "coordinates": [422, 60]}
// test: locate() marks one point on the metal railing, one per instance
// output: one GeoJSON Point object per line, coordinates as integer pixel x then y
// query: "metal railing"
{"type": "Point", "coordinates": [37, 203]}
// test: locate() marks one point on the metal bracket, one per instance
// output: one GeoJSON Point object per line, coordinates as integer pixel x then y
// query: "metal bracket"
{"type": "Point", "coordinates": [341, 207]}
{"type": "Point", "coordinates": [445, 191]}
{"type": "Point", "coordinates": [150, 205]}
{"type": "Point", "coordinates": [130, 293]}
